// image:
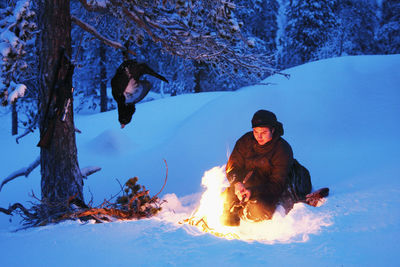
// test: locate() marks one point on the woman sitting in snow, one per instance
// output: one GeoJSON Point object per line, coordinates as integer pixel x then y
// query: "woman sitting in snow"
{"type": "Point", "coordinates": [261, 172]}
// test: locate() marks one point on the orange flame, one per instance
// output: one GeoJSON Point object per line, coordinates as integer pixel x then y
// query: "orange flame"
{"type": "Point", "coordinates": [207, 217]}
{"type": "Point", "coordinates": [293, 227]}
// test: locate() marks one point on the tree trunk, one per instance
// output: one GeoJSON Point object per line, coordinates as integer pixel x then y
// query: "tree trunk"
{"type": "Point", "coordinates": [198, 74]}
{"type": "Point", "coordinates": [103, 79]}
{"type": "Point", "coordinates": [162, 84]}
{"type": "Point", "coordinates": [14, 115]}
{"type": "Point", "coordinates": [341, 43]}
{"type": "Point", "coordinates": [125, 54]}
{"type": "Point", "coordinates": [61, 176]}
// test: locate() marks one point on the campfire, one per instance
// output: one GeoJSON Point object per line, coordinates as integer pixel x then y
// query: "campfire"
{"type": "Point", "coordinates": [207, 217]}
{"type": "Point", "coordinates": [284, 228]}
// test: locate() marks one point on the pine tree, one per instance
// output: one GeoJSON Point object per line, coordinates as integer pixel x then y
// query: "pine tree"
{"type": "Point", "coordinates": [103, 78]}
{"type": "Point", "coordinates": [257, 20]}
{"type": "Point", "coordinates": [270, 21]}
{"type": "Point", "coordinates": [388, 36]}
{"type": "Point", "coordinates": [94, 57]}
{"type": "Point", "coordinates": [16, 28]}
{"type": "Point", "coordinates": [357, 23]}
{"type": "Point", "coordinates": [308, 23]}
{"type": "Point", "coordinates": [260, 20]}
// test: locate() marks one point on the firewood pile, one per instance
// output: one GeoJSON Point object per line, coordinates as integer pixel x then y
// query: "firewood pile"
{"type": "Point", "coordinates": [132, 202]}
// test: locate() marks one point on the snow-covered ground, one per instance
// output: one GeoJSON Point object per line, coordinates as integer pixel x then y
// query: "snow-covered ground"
{"type": "Point", "coordinates": [341, 117]}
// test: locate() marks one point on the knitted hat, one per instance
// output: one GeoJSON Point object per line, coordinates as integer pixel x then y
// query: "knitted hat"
{"type": "Point", "coordinates": [264, 118]}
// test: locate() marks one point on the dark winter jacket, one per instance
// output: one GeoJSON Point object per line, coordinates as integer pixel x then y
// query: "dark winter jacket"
{"type": "Point", "coordinates": [270, 163]}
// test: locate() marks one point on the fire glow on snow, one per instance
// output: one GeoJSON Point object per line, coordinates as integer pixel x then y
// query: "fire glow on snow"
{"type": "Point", "coordinates": [296, 226]}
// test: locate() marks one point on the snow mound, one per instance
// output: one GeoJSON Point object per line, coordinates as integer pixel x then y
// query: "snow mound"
{"type": "Point", "coordinates": [110, 142]}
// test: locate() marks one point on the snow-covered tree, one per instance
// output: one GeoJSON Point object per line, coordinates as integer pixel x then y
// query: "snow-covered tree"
{"type": "Point", "coordinates": [93, 56]}
{"type": "Point", "coordinates": [16, 27]}
{"type": "Point", "coordinates": [257, 20]}
{"type": "Point", "coordinates": [307, 27]}
{"type": "Point", "coordinates": [179, 72]}
{"type": "Point", "coordinates": [357, 25]}
{"type": "Point", "coordinates": [260, 25]}
{"type": "Point", "coordinates": [354, 34]}
{"type": "Point", "coordinates": [260, 20]}
{"type": "Point", "coordinates": [270, 21]}
{"type": "Point", "coordinates": [388, 35]}
{"type": "Point", "coordinates": [200, 30]}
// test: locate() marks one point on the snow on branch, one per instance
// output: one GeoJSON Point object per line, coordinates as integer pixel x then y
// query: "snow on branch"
{"type": "Point", "coordinates": [89, 170]}
{"type": "Point", "coordinates": [19, 91]}
{"type": "Point", "coordinates": [93, 31]}
{"type": "Point", "coordinates": [196, 30]}
{"type": "Point", "coordinates": [27, 170]}
{"type": "Point", "coordinates": [24, 171]}
{"type": "Point", "coordinates": [94, 5]}
{"type": "Point", "coordinates": [16, 29]}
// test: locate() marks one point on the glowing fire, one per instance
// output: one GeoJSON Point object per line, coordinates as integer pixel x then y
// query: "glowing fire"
{"type": "Point", "coordinates": [207, 217]}
{"type": "Point", "coordinates": [292, 227]}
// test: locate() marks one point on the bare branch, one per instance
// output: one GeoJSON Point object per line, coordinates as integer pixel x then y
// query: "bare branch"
{"type": "Point", "coordinates": [105, 40]}
{"type": "Point", "coordinates": [27, 131]}
{"type": "Point", "coordinates": [165, 182]}
{"type": "Point", "coordinates": [23, 171]}
{"type": "Point", "coordinates": [15, 206]}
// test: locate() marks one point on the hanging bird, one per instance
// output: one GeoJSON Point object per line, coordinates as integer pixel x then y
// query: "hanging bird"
{"type": "Point", "coordinates": [128, 90]}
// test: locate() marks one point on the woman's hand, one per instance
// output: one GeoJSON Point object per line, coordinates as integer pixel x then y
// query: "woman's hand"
{"type": "Point", "coordinates": [241, 192]}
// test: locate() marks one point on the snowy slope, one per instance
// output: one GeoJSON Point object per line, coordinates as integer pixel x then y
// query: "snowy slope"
{"type": "Point", "coordinates": [341, 118]}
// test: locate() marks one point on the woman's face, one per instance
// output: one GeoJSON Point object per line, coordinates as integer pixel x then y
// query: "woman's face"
{"type": "Point", "coordinates": [262, 134]}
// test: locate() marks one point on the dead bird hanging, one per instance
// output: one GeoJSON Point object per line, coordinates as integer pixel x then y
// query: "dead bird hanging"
{"type": "Point", "coordinates": [128, 89]}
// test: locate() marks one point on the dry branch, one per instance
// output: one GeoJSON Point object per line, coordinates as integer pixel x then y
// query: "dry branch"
{"type": "Point", "coordinates": [139, 205]}
{"type": "Point", "coordinates": [165, 181]}
{"type": "Point", "coordinates": [98, 212]}
{"type": "Point", "coordinates": [15, 206]}
{"type": "Point", "coordinates": [135, 203]}
{"type": "Point", "coordinates": [28, 131]}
